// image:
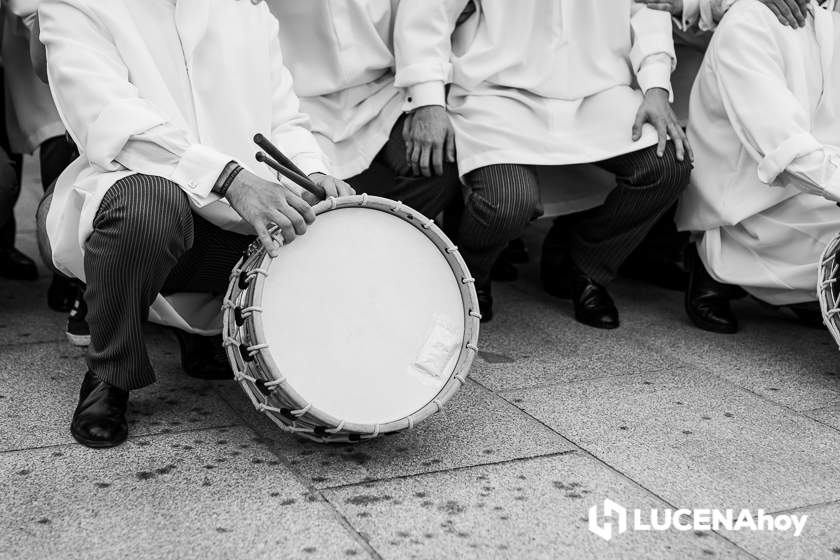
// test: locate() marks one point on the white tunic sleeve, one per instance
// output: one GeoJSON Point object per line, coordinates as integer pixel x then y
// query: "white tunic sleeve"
{"type": "Point", "coordinates": [290, 127]}
{"type": "Point", "coordinates": [767, 117]}
{"type": "Point", "coordinates": [423, 48]}
{"type": "Point", "coordinates": [114, 127]}
{"type": "Point", "coordinates": [652, 54]}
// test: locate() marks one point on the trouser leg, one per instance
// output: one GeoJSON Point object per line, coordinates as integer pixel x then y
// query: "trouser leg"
{"type": "Point", "coordinates": [647, 186]}
{"type": "Point", "coordinates": [390, 177]}
{"type": "Point", "coordinates": [143, 226]}
{"type": "Point", "coordinates": [500, 202]}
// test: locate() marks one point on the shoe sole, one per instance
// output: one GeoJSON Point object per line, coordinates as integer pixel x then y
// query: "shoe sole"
{"type": "Point", "coordinates": [710, 327]}
{"type": "Point", "coordinates": [598, 326]}
{"type": "Point", "coordinates": [78, 339]}
{"type": "Point", "coordinates": [95, 444]}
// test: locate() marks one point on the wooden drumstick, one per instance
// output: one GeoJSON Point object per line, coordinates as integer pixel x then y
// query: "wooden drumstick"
{"type": "Point", "coordinates": [301, 180]}
{"type": "Point", "coordinates": [275, 153]}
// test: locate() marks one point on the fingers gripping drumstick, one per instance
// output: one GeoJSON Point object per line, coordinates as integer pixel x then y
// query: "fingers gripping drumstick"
{"type": "Point", "coordinates": [311, 190]}
{"type": "Point", "coordinates": [286, 167]}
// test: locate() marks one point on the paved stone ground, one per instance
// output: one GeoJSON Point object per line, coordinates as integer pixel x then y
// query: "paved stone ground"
{"type": "Point", "coordinates": [556, 418]}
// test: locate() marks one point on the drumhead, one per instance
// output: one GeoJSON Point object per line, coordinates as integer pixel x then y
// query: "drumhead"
{"type": "Point", "coordinates": [363, 316]}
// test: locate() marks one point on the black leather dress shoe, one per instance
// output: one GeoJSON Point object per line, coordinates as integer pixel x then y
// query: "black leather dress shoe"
{"type": "Point", "coordinates": [707, 300]}
{"type": "Point", "coordinates": [99, 420]}
{"type": "Point", "coordinates": [593, 304]}
{"type": "Point", "coordinates": [17, 266]}
{"type": "Point", "coordinates": [203, 357]}
{"type": "Point", "coordinates": [485, 303]}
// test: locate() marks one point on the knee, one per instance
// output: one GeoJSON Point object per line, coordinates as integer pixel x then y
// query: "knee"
{"type": "Point", "coordinates": [506, 205]}
{"type": "Point", "coordinates": [146, 215]}
{"type": "Point", "coordinates": [667, 175]}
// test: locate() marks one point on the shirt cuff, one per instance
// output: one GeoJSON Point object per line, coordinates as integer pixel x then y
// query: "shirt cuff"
{"type": "Point", "coordinates": [310, 164]}
{"type": "Point", "coordinates": [424, 95]}
{"type": "Point", "coordinates": [778, 159]}
{"type": "Point", "coordinates": [656, 73]}
{"type": "Point", "coordinates": [197, 172]}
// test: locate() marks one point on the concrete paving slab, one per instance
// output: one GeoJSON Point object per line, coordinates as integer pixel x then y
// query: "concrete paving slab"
{"type": "Point", "coordinates": [39, 388]}
{"type": "Point", "coordinates": [773, 355]}
{"type": "Point", "coordinates": [476, 427]}
{"type": "Point", "coordinates": [695, 440]}
{"type": "Point", "coordinates": [532, 343]}
{"type": "Point", "coordinates": [24, 315]}
{"type": "Point", "coordinates": [524, 509]}
{"type": "Point", "coordinates": [819, 540]}
{"type": "Point", "coordinates": [209, 494]}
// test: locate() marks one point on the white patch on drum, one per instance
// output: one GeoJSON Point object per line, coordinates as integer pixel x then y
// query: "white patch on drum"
{"type": "Point", "coordinates": [435, 357]}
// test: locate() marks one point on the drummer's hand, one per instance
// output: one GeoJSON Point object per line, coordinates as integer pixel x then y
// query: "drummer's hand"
{"type": "Point", "coordinates": [334, 187]}
{"type": "Point", "coordinates": [656, 110]}
{"type": "Point", "coordinates": [263, 203]}
{"type": "Point", "coordinates": [429, 139]}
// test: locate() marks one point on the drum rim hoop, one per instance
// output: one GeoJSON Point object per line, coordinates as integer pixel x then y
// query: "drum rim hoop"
{"type": "Point", "coordinates": [321, 418]}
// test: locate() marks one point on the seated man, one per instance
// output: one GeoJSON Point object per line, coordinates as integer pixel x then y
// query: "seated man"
{"type": "Point", "coordinates": [342, 61]}
{"type": "Point", "coordinates": [163, 99]}
{"type": "Point", "coordinates": [763, 121]}
{"type": "Point", "coordinates": [547, 83]}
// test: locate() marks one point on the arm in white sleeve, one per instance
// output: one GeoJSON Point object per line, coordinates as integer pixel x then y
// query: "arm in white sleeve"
{"type": "Point", "coordinates": [290, 129]}
{"type": "Point", "coordinates": [652, 54]}
{"type": "Point", "coordinates": [423, 49]}
{"type": "Point", "coordinates": [113, 126]}
{"type": "Point", "coordinates": [768, 118]}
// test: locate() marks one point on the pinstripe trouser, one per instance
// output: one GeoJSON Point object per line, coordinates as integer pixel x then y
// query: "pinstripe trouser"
{"type": "Point", "coordinates": [502, 199]}
{"type": "Point", "coordinates": [146, 241]}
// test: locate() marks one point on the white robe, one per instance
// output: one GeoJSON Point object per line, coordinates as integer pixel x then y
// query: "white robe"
{"type": "Point", "coordinates": [764, 126]}
{"type": "Point", "coordinates": [30, 111]}
{"type": "Point", "coordinates": [178, 98]}
{"type": "Point", "coordinates": [340, 53]}
{"type": "Point", "coordinates": [540, 82]}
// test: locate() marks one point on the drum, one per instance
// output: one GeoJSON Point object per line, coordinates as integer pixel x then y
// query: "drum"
{"type": "Point", "coordinates": [365, 326]}
{"type": "Point", "coordinates": [828, 288]}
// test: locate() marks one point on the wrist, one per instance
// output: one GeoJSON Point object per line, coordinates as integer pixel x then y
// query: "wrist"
{"type": "Point", "coordinates": [226, 179]}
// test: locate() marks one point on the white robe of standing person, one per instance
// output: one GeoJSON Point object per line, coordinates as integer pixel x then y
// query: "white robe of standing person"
{"type": "Point", "coordinates": [765, 126]}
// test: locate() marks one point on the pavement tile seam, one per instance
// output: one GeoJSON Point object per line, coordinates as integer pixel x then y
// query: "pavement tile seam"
{"type": "Point", "coordinates": [510, 388]}
{"type": "Point", "coordinates": [805, 507]}
{"type": "Point", "coordinates": [363, 483]}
